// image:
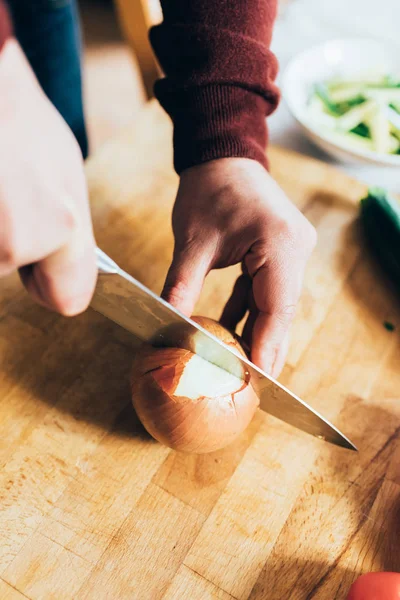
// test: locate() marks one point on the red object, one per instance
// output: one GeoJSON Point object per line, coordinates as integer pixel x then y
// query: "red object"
{"type": "Point", "coordinates": [219, 73]}
{"type": "Point", "coordinates": [219, 84]}
{"type": "Point", "coordinates": [376, 586]}
{"type": "Point", "coordinates": [5, 24]}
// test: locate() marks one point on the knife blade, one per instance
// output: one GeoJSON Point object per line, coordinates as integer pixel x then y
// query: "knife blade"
{"type": "Point", "coordinates": [127, 302]}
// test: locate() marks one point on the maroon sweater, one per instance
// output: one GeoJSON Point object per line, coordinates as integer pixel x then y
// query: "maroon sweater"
{"type": "Point", "coordinates": [5, 25]}
{"type": "Point", "coordinates": [219, 72]}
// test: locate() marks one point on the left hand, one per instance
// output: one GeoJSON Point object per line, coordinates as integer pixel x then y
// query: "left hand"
{"type": "Point", "coordinates": [229, 211]}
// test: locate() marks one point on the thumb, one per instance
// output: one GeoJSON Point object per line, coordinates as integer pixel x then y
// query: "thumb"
{"type": "Point", "coordinates": [186, 275]}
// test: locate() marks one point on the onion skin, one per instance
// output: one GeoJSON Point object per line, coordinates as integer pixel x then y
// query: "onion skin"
{"type": "Point", "coordinates": [200, 425]}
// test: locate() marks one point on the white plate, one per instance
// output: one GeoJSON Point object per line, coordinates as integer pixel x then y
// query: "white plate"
{"type": "Point", "coordinates": [347, 59]}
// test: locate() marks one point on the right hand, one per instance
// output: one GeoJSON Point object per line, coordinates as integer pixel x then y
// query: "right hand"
{"type": "Point", "coordinates": [230, 211]}
{"type": "Point", "coordinates": [45, 224]}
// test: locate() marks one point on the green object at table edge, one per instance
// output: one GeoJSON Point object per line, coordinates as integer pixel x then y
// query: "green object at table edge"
{"type": "Point", "coordinates": [380, 219]}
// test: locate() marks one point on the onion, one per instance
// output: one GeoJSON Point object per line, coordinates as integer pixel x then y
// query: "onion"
{"type": "Point", "coordinates": [186, 402]}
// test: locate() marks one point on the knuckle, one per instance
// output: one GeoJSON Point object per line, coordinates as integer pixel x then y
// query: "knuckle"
{"type": "Point", "coordinates": [8, 254]}
{"type": "Point", "coordinates": [187, 242]}
{"type": "Point", "coordinates": [285, 314]}
{"type": "Point", "coordinates": [175, 292]}
{"type": "Point", "coordinates": [69, 218]}
{"type": "Point", "coordinates": [285, 229]}
{"type": "Point", "coordinates": [300, 234]}
{"type": "Point", "coordinates": [308, 235]}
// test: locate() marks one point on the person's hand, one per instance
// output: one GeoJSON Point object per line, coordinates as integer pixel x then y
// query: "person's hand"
{"type": "Point", "coordinates": [45, 225]}
{"type": "Point", "coordinates": [229, 211]}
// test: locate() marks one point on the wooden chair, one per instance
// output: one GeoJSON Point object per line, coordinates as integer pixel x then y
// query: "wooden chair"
{"type": "Point", "coordinates": [136, 18]}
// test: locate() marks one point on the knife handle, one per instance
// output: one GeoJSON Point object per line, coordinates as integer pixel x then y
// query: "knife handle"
{"type": "Point", "coordinates": [104, 263]}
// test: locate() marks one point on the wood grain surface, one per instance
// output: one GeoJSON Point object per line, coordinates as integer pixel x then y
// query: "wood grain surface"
{"type": "Point", "coordinates": [91, 508]}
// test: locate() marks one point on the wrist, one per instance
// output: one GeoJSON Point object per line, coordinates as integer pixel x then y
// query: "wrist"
{"type": "Point", "coordinates": [226, 167]}
{"type": "Point", "coordinates": [215, 122]}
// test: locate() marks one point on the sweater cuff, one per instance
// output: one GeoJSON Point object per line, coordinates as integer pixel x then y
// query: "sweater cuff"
{"type": "Point", "coordinates": [5, 25]}
{"type": "Point", "coordinates": [215, 121]}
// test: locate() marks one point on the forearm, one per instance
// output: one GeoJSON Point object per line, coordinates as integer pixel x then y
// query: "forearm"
{"type": "Point", "coordinates": [219, 84]}
{"type": "Point", "coordinates": [5, 25]}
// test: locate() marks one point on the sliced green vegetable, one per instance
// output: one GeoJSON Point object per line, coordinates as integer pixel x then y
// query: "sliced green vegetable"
{"type": "Point", "coordinates": [356, 142]}
{"type": "Point", "coordinates": [383, 95]}
{"type": "Point", "coordinates": [321, 91]}
{"type": "Point", "coordinates": [333, 106]}
{"type": "Point", "coordinates": [355, 116]}
{"type": "Point", "coordinates": [349, 95]}
{"type": "Point", "coordinates": [380, 131]}
{"type": "Point", "coordinates": [395, 106]}
{"type": "Point", "coordinates": [350, 140]}
{"type": "Point", "coordinates": [363, 130]}
{"type": "Point", "coordinates": [395, 132]}
{"type": "Point", "coordinates": [395, 145]}
{"type": "Point", "coordinates": [391, 81]}
{"type": "Point", "coordinates": [375, 81]}
{"type": "Point", "coordinates": [360, 111]}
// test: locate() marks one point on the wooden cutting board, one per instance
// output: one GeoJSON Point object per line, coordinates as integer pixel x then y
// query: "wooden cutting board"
{"type": "Point", "coordinates": [92, 508]}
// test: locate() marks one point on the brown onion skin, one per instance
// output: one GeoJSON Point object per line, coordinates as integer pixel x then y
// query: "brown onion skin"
{"type": "Point", "coordinates": [194, 426]}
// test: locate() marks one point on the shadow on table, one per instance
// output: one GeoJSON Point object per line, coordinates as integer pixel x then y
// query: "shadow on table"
{"type": "Point", "coordinates": [372, 286]}
{"type": "Point", "coordinates": [298, 579]}
{"type": "Point", "coordinates": [367, 281]}
{"type": "Point", "coordinates": [335, 200]}
{"type": "Point", "coordinates": [82, 370]}
{"type": "Point", "coordinates": [82, 367]}
{"type": "Point", "coordinates": [348, 513]}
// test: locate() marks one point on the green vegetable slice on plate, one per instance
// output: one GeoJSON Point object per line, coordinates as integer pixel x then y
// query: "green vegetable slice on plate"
{"type": "Point", "coordinates": [364, 115]}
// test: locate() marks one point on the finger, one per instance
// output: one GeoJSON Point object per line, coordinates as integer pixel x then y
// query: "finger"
{"type": "Point", "coordinates": [281, 356]}
{"type": "Point", "coordinates": [26, 275]}
{"type": "Point", "coordinates": [249, 327]}
{"type": "Point", "coordinates": [251, 319]}
{"type": "Point", "coordinates": [62, 283]}
{"type": "Point", "coordinates": [64, 280]}
{"type": "Point", "coordinates": [186, 276]}
{"type": "Point", "coordinates": [237, 305]}
{"type": "Point", "coordinates": [31, 231]}
{"type": "Point", "coordinates": [276, 289]}
{"type": "Point", "coordinates": [244, 345]}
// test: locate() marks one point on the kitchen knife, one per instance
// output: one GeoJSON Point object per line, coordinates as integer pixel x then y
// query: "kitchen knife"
{"type": "Point", "coordinates": [124, 300]}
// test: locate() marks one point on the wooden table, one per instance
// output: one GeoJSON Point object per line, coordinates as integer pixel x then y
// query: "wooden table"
{"type": "Point", "coordinates": [91, 508]}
